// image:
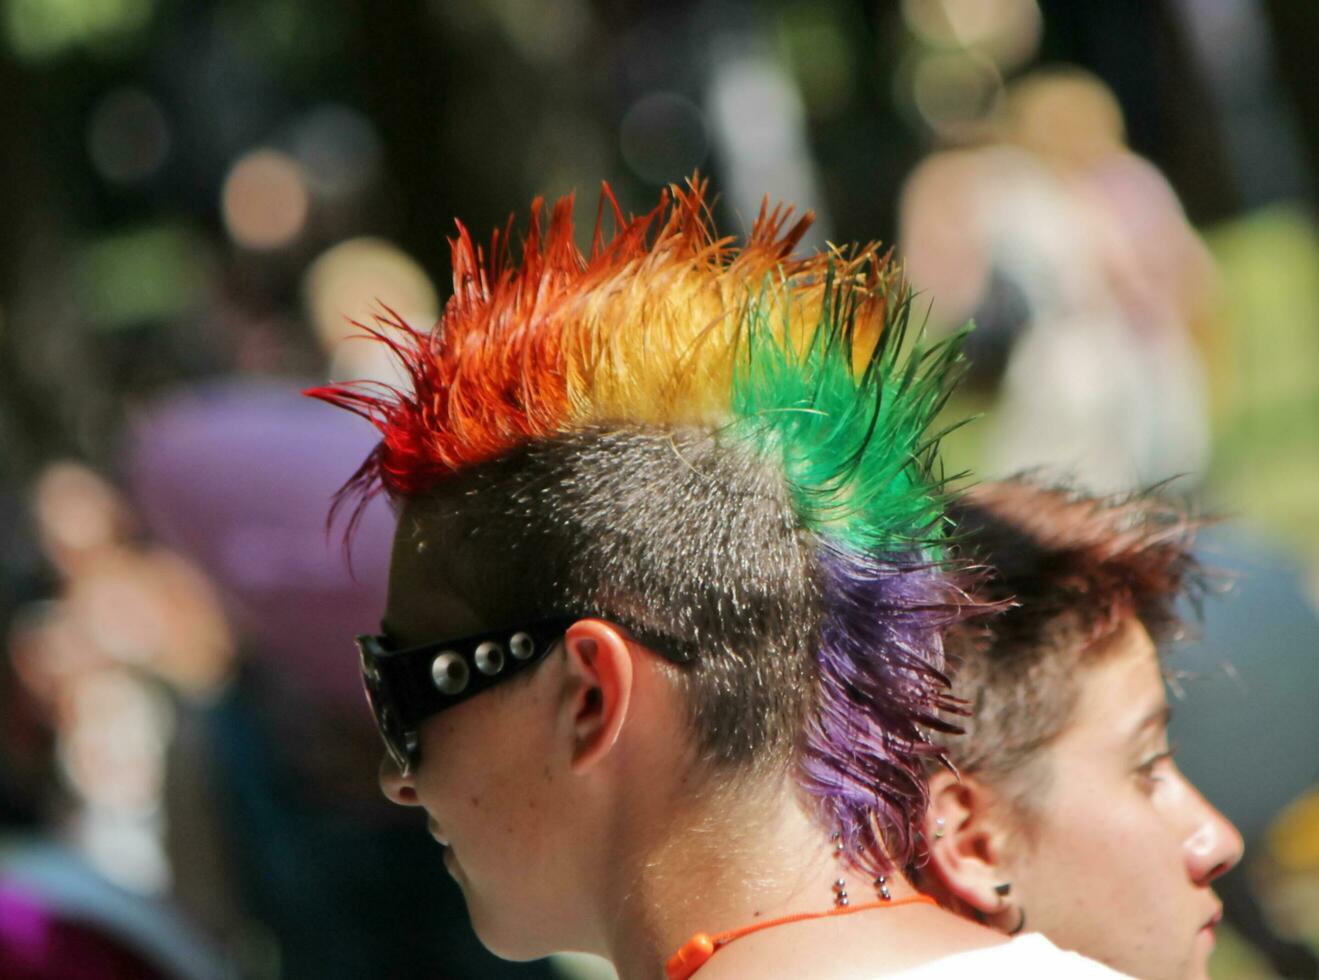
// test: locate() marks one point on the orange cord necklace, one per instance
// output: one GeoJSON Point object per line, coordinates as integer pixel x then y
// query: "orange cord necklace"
{"type": "Point", "coordinates": [695, 952]}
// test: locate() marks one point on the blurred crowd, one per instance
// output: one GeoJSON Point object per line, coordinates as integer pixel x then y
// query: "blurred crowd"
{"type": "Point", "coordinates": [187, 777]}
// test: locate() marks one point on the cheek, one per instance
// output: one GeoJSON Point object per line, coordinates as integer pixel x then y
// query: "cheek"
{"type": "Point", "coordinates": [482, 774]}
{"type": "Point", "coordinates": [511, 798]}
{"type": "Point", "coordinates": [1103, 878]}
{"type": "Point", "coordinates": [1136, 826]}
{"type": "Point", "coordinates": [1075, 858]}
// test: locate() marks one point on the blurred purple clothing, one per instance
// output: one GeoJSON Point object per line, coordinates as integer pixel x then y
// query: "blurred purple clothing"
{"type": "Point", "coordinates": [37, 944]}
{"type": "Point", "coordinates": [239, 475]}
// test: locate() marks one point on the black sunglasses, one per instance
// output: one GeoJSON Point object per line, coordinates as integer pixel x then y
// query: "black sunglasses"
{"type": "Point", "coordinates": [405, 687]}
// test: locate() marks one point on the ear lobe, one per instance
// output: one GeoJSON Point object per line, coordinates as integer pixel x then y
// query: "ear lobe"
{"type": "Point", "coordinates": [599, 666]}
{"type": "Point", "coordinates": [965, 844]}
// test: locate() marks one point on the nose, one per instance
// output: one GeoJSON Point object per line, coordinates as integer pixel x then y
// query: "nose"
{"type": "Point", "coordinates": [1214, 845]}
{"type": "Point", "coordinates": [396, 787]}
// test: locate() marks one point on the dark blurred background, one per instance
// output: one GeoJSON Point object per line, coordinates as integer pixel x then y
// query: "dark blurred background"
{"type": "Point", "coordinates": [196, 196]}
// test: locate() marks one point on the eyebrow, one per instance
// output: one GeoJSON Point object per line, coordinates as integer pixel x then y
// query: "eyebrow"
{"type": "Point", "coordinates": [1158, 718]}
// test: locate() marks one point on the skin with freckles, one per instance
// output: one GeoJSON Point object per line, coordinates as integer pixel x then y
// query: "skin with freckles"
{"type": "Point", "coordinates": [495, 805]}
{"type": "Point", "coordinates": [1115, 852]}
{"type": "Point", "coordinates": [492, 796]}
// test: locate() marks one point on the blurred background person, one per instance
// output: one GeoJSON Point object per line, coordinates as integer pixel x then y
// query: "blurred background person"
{"type": "Point", "coordinates": [280, 839]}
{"type": "Point", "coordinates": [1091, 285]}
{"type": "Point", "coordinates": [93, 635]}
{"type": "Point", "coordinates": [199, 187]}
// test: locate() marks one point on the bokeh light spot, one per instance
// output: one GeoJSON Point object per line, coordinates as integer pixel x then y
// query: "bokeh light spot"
{"type": "Point", "coordinates": [150, 274]}
{"type": "Point", "coordinates": [543, 31]}
{"type": "Point", "coordinates": [127, 136]}
{"type": "Point", "coordinates": [663, 137]}
{"type": "Point", "coordinates": [1008, 32]}
{"type": "Point", "coordinates": [956, 93]}
{"type": "Point", "coordinates": [339, 149]}
{"type": "Point", "coordinates": [41, 29]}
{"type": "Point", "coordinates": [350, 282]}
{"type": "Point", "coordinates": [815, 42]}
{"type": "Point", "coordinates": [265, 200]}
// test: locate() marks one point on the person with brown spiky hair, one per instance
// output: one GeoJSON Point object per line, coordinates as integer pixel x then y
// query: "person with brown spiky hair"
{"type": "Point", "coordinates": [1065, 812]}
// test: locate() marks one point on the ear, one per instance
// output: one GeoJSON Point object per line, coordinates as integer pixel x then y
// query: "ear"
{"type": "Point", "coordinates": [599, 678]}
{"type": "Point", "coordinates": [967, 844]}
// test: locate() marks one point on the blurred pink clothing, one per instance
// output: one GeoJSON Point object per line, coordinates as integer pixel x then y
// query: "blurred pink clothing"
{"type": "Point", "coordinates": [38, 944]}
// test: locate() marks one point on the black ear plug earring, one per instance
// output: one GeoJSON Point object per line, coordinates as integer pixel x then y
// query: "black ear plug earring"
{"type": "Point", "coordinates": [1003, 890]}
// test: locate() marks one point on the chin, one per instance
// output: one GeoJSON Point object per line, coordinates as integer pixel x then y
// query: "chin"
{"type": "Point", "coordinates": [506, 938]}
{"type": "Point", "coordinates": [1177, 970]}
{"type": "Point", "coordinates": [1198, 971]}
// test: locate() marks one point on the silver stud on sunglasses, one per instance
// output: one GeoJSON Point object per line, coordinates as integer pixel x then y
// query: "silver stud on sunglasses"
{"type": "Point", "coordinates": [489, 658]}
{"type": "Point", "coordinates": [521, 645]}
{"type": "Point", "coordinates": [450, 673]}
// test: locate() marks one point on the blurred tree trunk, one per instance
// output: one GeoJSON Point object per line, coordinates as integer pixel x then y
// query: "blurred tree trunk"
{"type": "Point", "coordinates": [408, 90]}
{"type": "Point", "coordinates": [29, 420]}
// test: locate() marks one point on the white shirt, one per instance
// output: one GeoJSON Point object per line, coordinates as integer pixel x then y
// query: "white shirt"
{"type": "Point", "coordinates": [1023, 958]}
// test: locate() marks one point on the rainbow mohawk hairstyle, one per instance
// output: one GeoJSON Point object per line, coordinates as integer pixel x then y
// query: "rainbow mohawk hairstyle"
{"type": "Point", "coordinates": [805, 362]}
{"type": "Point", "coordinates": [642, 330]}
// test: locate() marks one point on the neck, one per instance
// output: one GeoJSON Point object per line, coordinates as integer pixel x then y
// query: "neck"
{"type": "Point", "coordinates": [748, 855]}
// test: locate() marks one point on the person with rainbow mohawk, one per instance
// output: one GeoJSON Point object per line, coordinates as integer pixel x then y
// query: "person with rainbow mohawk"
{"type": "Point", "coordinates": [663, 640]}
